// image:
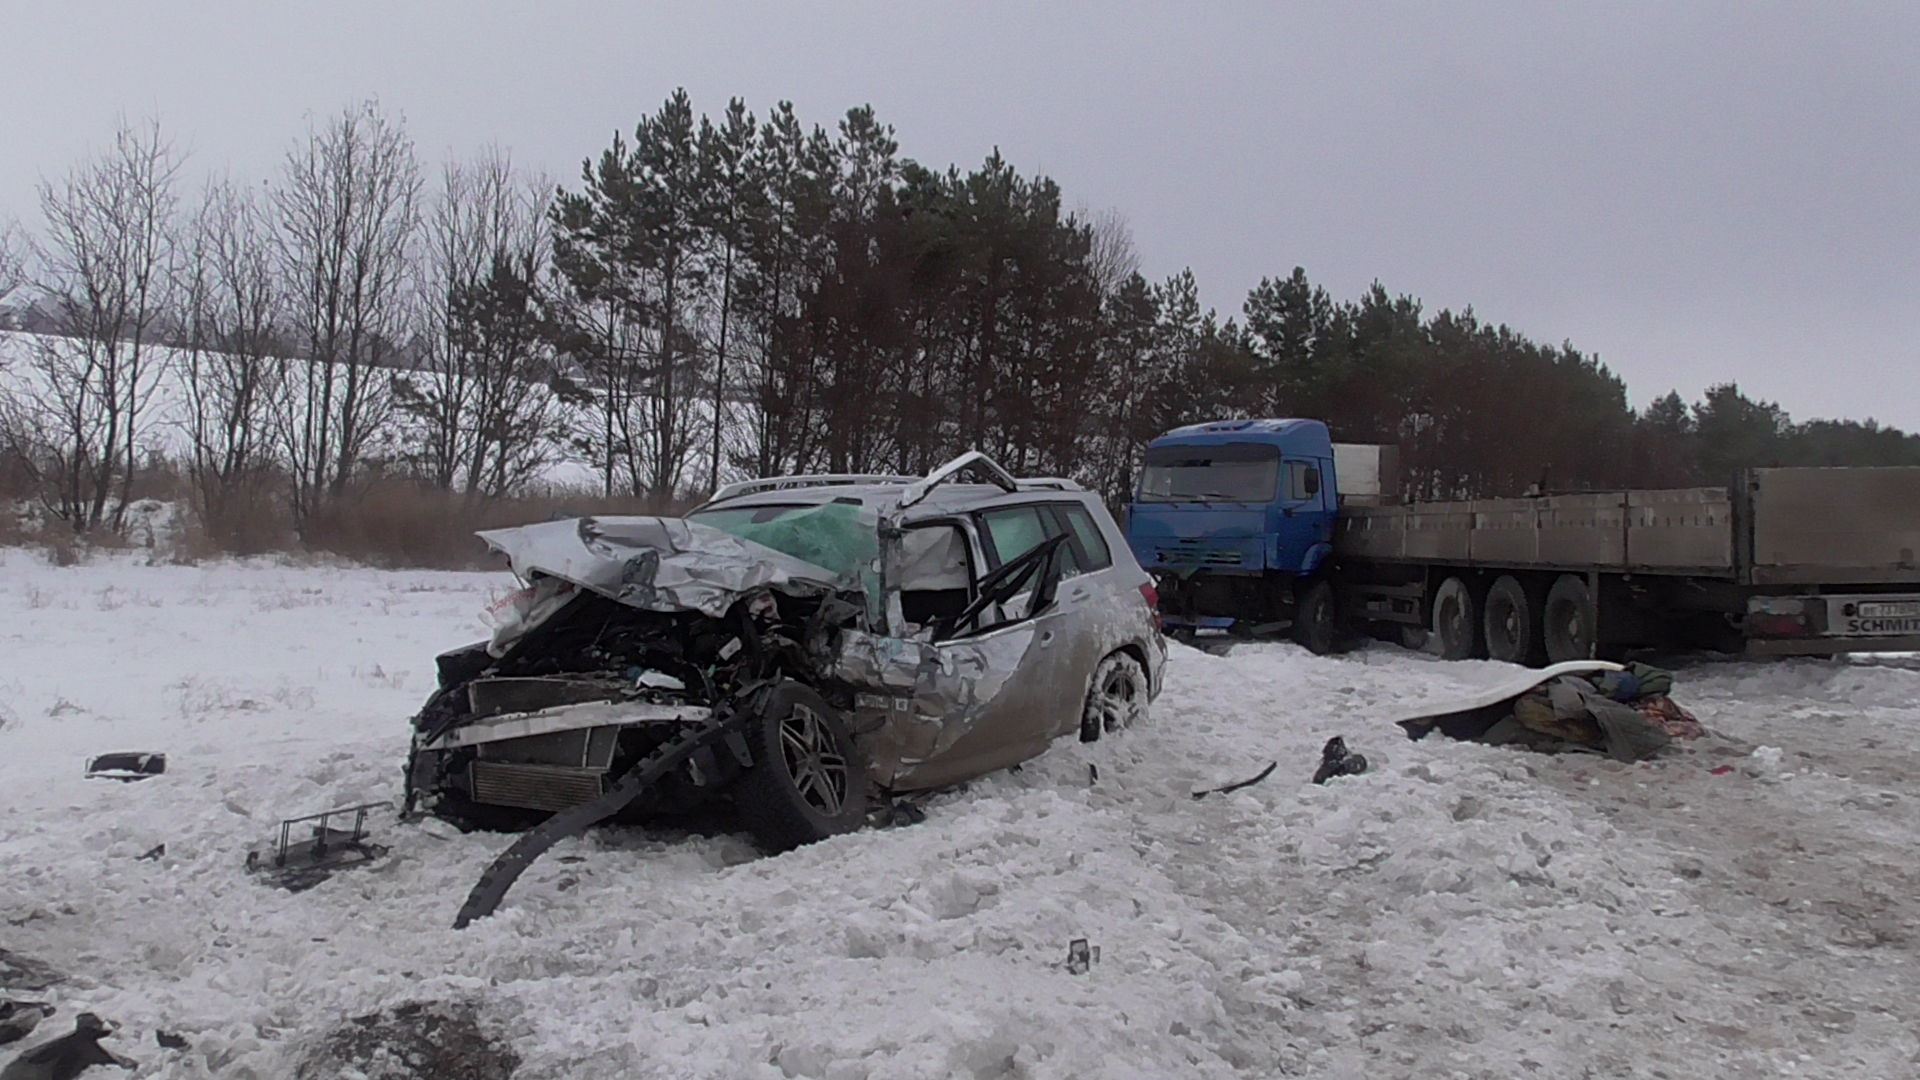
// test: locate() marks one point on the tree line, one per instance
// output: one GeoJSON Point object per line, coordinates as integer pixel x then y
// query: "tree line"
{"type": "Point", "coordinates": [715, 297]}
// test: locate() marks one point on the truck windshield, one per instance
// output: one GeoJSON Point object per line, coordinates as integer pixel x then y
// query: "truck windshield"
{"type": "Point", "coordinates": [1231, 472]}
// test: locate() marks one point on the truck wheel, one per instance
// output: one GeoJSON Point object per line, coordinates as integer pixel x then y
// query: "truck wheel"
{"type": "Point", "coordinates": [1512, 624]}
{"type": "Point", "coordinates": [1569, 620]}
{"type": "Point", "coordinates": [1316, 620]}
{"type": "Point", "coordinates": [1456, 621]}
{"type": "Point", "coordinates": [809, 779]}
{"type": "Point", "coordinates": [1116, 697]}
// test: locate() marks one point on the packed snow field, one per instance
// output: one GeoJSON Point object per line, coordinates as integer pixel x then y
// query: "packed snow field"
{"type": "Point", "coordinates": [1459, 911]}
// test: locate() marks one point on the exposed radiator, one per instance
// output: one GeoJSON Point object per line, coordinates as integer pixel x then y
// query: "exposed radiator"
{"type": "Point", "coordinates": [534, 787]}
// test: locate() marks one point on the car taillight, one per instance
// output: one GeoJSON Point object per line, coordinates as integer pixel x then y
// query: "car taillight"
{"type": "Point", "coordinates": [1778, 625]}
{"type": "Point", "coordinates": [1151, 594]}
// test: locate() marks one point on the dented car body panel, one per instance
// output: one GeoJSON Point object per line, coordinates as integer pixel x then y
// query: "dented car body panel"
{"type": "Point", "coordinates": [655, 563]}
{"type": "Point", "coordinates": [956, 626]}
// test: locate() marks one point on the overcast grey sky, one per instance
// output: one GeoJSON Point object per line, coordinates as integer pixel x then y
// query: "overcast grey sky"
{"type": "Point", "coordinates": [1696, 191]}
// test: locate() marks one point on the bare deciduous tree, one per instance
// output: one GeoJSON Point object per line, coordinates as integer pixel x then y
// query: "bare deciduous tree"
{"type": "Point", "coordinates": [105, 268]}
{"type": "Point", "coordinates": [347, 209]}
{"type": "Point", "coordinates": [1113, 258]}
{"type": "Point", "coordinates": [12, 261]}
{"type": "Point", "coordinates": [484, 403]}
{"type": "Point", "coordinates": [231, 363]}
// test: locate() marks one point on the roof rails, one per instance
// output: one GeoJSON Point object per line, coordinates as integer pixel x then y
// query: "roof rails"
{"type": "Point", "coordinates": [917, 487]}
{"type": "Point", "coordinates": [782, 483]}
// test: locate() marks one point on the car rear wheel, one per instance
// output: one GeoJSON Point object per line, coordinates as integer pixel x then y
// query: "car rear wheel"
{"type": "Point", "coordinates": [1116, 698]}
{"type": "Point", "coordinates": [809, 779]}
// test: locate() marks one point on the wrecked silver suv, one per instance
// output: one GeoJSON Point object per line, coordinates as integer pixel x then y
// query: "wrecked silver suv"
{"type": "Point", "coordinates": [805, 647]}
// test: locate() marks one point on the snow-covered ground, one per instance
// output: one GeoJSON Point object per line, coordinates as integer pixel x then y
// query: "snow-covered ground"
{"type": "Point", "coordinates": [1460, 911]}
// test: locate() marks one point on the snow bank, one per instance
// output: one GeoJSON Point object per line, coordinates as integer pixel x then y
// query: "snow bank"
{"type": "Point", "coordinates": [1460, 911]}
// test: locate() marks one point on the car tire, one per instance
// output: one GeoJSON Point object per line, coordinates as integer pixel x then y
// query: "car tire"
{"type": "Point", "coordinates": [1117, 697]}
{"type": "Point", "coordinates": [809, 778]}
{"type": "Point", "coordinates": [1316, 620]}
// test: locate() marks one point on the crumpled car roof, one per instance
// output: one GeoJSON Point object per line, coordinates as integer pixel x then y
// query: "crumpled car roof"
{"type": "Point", "coordinates": [657, 563]}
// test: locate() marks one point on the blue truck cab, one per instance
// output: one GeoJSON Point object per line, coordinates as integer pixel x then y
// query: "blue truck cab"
{"type": "Point", "coordinates": [1234, 519]}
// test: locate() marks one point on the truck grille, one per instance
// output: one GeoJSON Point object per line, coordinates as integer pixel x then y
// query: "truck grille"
{"type": "Point", "coordinates": [534, 787]}
{"type": "Point", "coordinates": [1190, 553]}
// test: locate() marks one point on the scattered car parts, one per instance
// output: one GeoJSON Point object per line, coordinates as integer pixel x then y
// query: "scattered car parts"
{"type": "Point", "coordinates": [126, 766]}
{"type": "Point", "coordinates": [298, 865]}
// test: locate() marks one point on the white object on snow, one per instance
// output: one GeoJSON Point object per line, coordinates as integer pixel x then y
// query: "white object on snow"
{"type": "Point", "coordinates": [1519, 683]}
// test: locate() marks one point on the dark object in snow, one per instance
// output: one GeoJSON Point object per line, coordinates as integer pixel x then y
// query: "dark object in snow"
{"type": "Point", "coordinates": [19, 1018]}
{"type": "Point", "coordinates": [298, 865]}
{"type": "Point", "coordinates": [19, 972]}
{"type": "Point", "coordinates": [416, 1040]}
{"type": "Point", "coordinates": [902, 812]}
{"type": "Point", "coordinates": [1093, 774]}
{"type": "Point", "coordinates": [67, 1056]}
{"type": "Point", "coordinates": [1337, 760]}
{"type": "Point", "coordinates": [1080, 957]}
{"type": "Point", "coordinates": [126, 766]}
{"type": "Point", "coordinates": [170, 1040]}
{"type": "Point", "coordinates": [153, 854]}
{"type": "Point", "coordinates": [1238, 784]}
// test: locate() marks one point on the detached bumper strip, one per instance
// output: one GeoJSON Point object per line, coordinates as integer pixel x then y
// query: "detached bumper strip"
{"type": "Point", "coordinates": [511, 863]}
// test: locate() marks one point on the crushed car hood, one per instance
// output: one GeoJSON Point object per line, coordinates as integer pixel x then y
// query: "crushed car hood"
{"type": "Point", "coordinates": [656, 563]}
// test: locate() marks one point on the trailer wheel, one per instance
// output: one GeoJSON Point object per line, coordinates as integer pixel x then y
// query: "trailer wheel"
{"type": "Point", "coordinates": [1512, 623]}
{"type": "Point", "coordinates": [808, 780]}
{"type": "Point", "coordinates": [1456, 621]}
{"type": "Point", "coordinates": [1316, 620]}
{"type": "Point", "coordinates": [1569, 620]}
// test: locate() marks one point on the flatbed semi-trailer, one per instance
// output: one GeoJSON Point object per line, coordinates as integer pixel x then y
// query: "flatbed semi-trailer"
{"type": "Point", "coordinates": [1784, 561]}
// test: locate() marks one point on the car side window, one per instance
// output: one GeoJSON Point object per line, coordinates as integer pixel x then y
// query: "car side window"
{"type": "Point", "coordinates": [1013, 531]}
{"type": "Point", "coordinates": [1090, 552]}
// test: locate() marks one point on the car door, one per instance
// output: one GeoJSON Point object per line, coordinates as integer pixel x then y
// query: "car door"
{"type": "Point", "coordinates": [980, 691]}
{"type": "Point", "coordinates": [1027, 643]}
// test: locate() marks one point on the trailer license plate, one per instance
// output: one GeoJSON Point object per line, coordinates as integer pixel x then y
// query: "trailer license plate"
{"type": "Point", "coordinates": [1904, 609]}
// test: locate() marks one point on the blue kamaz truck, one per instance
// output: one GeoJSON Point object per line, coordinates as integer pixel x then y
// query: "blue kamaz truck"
{"type": "Point", "coordinates": [1254, 526]}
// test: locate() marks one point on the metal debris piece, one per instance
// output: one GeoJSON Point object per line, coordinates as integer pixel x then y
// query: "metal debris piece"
{"type": "Point", "coordinates": [1238, 784]}
{"type": "Point", "coordinates": [153, 854]}
{"type": "Point", "coordinates": [126, 766]}
{"type": "Point", "coordinates": [1337, 760]}
{"type": "Point", "coordinates": [298, 865]}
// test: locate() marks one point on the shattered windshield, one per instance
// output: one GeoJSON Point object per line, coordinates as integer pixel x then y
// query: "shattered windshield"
{"type": "Point", "coordinates": [840, 537]}
{"type": "Point", "coordinates": [1232, 472]}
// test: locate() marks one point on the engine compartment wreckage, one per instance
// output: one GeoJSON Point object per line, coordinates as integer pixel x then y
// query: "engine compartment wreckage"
{"type": "Point", "coordinates": [798, 647]}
